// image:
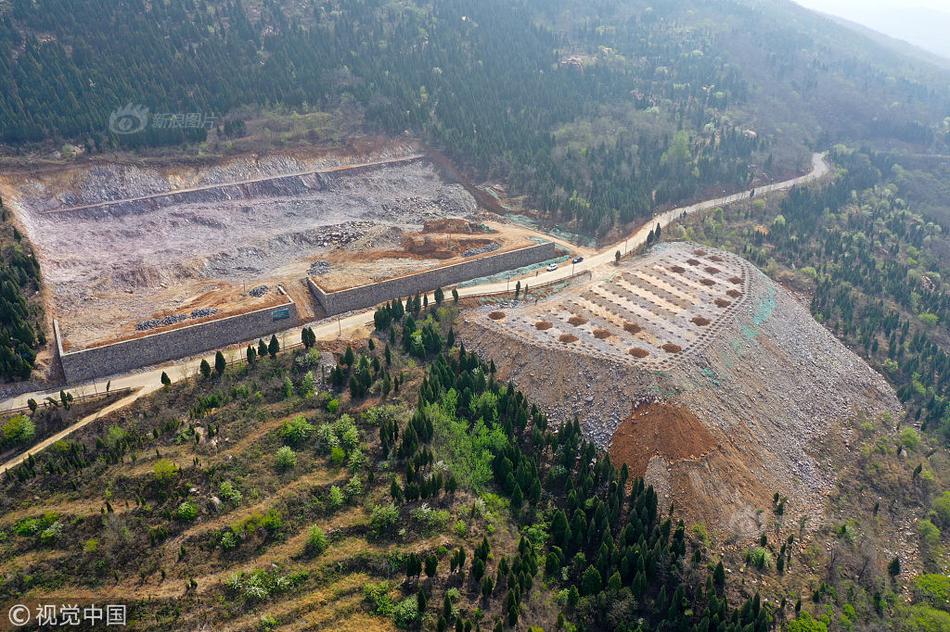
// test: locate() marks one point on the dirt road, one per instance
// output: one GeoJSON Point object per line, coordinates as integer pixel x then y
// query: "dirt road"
{"type": "Point", "coordinates": [599, 265]}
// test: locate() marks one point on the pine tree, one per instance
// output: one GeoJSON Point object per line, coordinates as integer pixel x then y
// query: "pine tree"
{"type": "Point", "coordinates": [220, 364]}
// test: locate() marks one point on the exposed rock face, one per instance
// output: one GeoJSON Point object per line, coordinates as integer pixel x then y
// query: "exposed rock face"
{"type": "Point", "coordinates": [765, 388]}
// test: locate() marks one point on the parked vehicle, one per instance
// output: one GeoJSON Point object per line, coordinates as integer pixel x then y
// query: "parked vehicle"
{"type": "Point", "coordinates": [577, 259]}
{"type": "Point", "coordinates": [552, 267]}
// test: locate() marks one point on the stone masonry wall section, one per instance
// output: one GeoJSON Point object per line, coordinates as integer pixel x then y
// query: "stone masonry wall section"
{"type": "Point", "coordinates": [126, 355]}
{"type": "Point", "coordinates": [365, 296]}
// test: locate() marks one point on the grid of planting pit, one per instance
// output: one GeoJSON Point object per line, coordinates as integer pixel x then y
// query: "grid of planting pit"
{"type": "Point", "coordinates": [652, 312]}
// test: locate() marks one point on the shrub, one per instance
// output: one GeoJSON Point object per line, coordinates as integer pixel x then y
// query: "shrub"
{"type": "Point", "coordinates": [228, 540]}
{"type": "Point", "coordinates": [285, 458]}
{"type": "Point", "coordinates": [333, 405]}
{"type": "Point", "coordinates": [295, 431]}
{"type": "Point", "coordinates": [354, 488]}
{"type": "Point", "coordinates": [941, 508]}
{"type": "Point", "coordinates": [164, 471]}
{"type": "Point", "coordinates": [910, 439]}
{"type": "Point", "coordinates": [759, 557]}
{"type": "Point", "coordinates": [430, 519]}
{"type": "Point", "coordinates": [933, 588]}
{"type": "Point", "coordinates": [316, 542]}
{"type": "Point", "coordinates": [377, 594]}
{"type": "Point", "coordinates": [383, 520]}
{"type": "Point", "coordinates": [335, 497]}
{"type": "Point", "coordinates": [187, 511]}
{"type": "Point", "coordinates": [17, 430]}
{"type": "Point", "coordinates": [230, 493]}
{"type": "Point", "coordinates": [259, 585]}
{"type": "Point", "coordinates": [407, 612]}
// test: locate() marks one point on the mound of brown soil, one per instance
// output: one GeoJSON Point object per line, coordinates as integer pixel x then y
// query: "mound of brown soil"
{"type": "Point", "coordinates": [716, 258]}
{"type": "Point", "coordinates": [449, 225]}
{"type": "Point", "coordinates": [735, 280]}
{"type": "Point", "coordinates": [600, 334]}
{"type": "Point", "coordinates": [542, 325]}
{"type": "Point", "coordinates": [707, 282]}
{"type": "Point", "coordinates": [496, 315]}
{"type": "Point", "coordinates": [678, 269]}
{"type": "Point", "coordinates": [568, 338]}
{"type": "Point", "coordinates": [692, 262]}
{"type": "Point", "coordinates": [671, 348]}
{"type": "Point", "coordinates": [699, 320]}
{"type": "Point", "coordinates": [661, 429]}
{"type": "Point", "coordinates": [711, 270]}
{"type": "Point", "coordinates": [699, 252]}
{"type": "Point", "coordinates": [734, 293]}
{"type": "Point", "coordinates": [577, 320]}
{"type": "Point", "coordinates": [637, 352]}
{"type": "Point", "coordinates": [721, 302]}
{"type": "Point", "coordinates": [632, 328]}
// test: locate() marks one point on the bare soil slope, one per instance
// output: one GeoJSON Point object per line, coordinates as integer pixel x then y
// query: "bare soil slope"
{"type": "Point", "coordinates": [721, 429]}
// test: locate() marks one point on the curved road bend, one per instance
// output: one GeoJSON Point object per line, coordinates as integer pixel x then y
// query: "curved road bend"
{"type": "Point", "coordinates": [147, 380]}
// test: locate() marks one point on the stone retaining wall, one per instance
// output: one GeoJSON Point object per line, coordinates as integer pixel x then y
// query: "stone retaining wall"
{"type": "Point", "coordinates": [365, 296]}
{"type": "Point", "coordinates": [126, 355]}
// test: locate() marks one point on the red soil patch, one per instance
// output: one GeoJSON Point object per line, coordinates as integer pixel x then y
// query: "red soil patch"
{"type": "Point", "coordinates": [692, 262]}
{"type": "Point", "coordinates": [699, 252]}
{"type": "Point", "coordinates": [576, 320]}
{"type": "Point", "coordinates": [568, 338]}
{"type": "Point", "coordinates": [678, 269]}
{"type": "Point", "coordinates": [542, 325]}
{"type": "Point", "coordinates": [707, 282]}
{"type": "Point", "coordinates": [699, 320]}
{"type": "Point", "coordinates": [632, 328]}
{"type": "Point", "coordinates": [637, 352]}
{"type": "Point", "coordinates": [711, 270]}
{"type": "Point", "coordinates": [661, 429]}
{"type": "Point", "coordinates": [671, 348]}
{"type": "Point", "coordinates": [600, 334]}
{"type": "Point", "coordinates": [734, 293]}
{"type": "Point", "coordinates": [721, 302]}
{"type": "Point", "coordinates": [716, 258]}
{"type": "Point", "coordinates": [735, 280]}
{"type": "Point", "coordinates": [496, 315]}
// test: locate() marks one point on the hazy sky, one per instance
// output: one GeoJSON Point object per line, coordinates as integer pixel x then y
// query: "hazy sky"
{"type": "Point", "coordinates": [925, 23]}
{"type": "Point", "coordinates": [854, 8]}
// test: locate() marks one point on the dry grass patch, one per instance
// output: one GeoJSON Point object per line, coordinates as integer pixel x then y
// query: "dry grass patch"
{"type": "Point", "coordinates": [672, 348]}
{"type": "Point", "coordinates": [637, 352]}
{"type": "Point", "coordinates": [699, 320]}
{"type": "Point", "coordinates": [600, 334]}
{"type": "Point", "coordinates": [542, 325]}
{"type": "Point", "coordinates": [568, 338]}
{"type": "Point", "coordinates": [577, 320]}
{"type": "Point", "coordinates": [497, 315]}
{"type": "Point", "coordinates": [632, 328]}
{"type": "Point", "coordinates": [721, 302]}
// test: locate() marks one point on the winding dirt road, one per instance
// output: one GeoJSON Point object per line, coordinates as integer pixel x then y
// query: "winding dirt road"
{"type": "Point", "coordinates": [148, 380]}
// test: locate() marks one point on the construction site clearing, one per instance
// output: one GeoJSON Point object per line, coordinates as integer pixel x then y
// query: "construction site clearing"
{"type": "Point", "coordinates": [129, 251]}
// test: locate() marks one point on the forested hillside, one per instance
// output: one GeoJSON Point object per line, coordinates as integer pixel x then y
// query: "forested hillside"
{"type": "Point", "coordinates": [598, 112]}
{"type": "Point", "coordinates": [21, 314]}
{"type": "Point", "coordinates": [873, 267]}
{"type": "Point", "coordinates": [420, 493]}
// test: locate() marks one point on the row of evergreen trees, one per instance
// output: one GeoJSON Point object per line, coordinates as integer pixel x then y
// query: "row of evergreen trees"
{"type": "Point", "coordinates": [622, 561]}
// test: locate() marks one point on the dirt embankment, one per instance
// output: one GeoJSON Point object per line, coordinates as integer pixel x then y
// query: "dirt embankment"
{"type": "Point", "coordinates": [721, 429]}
